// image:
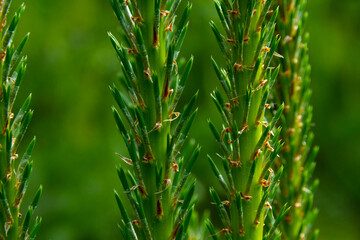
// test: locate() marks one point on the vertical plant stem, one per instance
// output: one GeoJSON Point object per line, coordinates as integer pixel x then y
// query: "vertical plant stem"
{"type": "Point", "coordinates": [158, 186]}
{"type": "Point", "coordinates": [14, 170]}
{"type": "Point", "coordinates": [293, 88]}
{"type": "Point", "coordinates": [248, 46]}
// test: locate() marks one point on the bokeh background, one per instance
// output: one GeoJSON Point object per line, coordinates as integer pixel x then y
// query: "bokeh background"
{"type": "Point", "coordinates": [71, 64]}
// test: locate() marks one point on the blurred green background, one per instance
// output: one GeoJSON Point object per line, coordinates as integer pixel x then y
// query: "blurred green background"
{"type": "Point", "coordinates": [71, 64]}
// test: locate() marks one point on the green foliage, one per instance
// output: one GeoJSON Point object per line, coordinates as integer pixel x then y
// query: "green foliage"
{"type": "Point", "coordinates": [14, 172]}
{"type": "Point", "coordinates": [298, 154]}
{"type": "Point", "coordinates": [249, 143]}
{"type": "Point", "coordinates": [158, 185]}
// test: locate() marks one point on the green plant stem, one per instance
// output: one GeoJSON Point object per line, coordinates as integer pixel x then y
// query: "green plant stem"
{"type": "Point", "coordinates": [248, 46]}
{"type": "Point", "coordinates": [153, 83]}
{"type": "Point", "coordinates": [293, 88]}
{"type": "Point", "coordinates": [15, 171]}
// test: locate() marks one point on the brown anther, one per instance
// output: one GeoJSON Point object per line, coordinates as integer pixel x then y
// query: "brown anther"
{"type": "Point", "coordinates": [243, 129]}
{"type": "Point", "coordinates": [229, 141]}
{"type": "Point", "coordinates": [19, 215]}
{"type": "Point", "coordinates": [126, 3]}
{"type": "Point", "coordinates": [170, 92]}
{"type": "Point", "coordinates": [148, 157]}
{"type": "Point", "coordinates": [258, 152]}
{"type": "Point", "coordinates": [226, 202]}
{"type": "Point", "coordinates": [226, 130]}
{"type": "Point", "coordinates": [268, 106]}
{"type": "Point", "coordinates": [266, 49]}
{"type": "Point", "coordinates": [13, 157]}
{"type": "Point", "coordinates": [258, 29]}
{"type": "Point", "coordinates": [253, 13]}
{"type": "Point", "coordinates": [11, 115]}
{"type": "Point", "coordinates": [175, 167]}
{"type": "Point", "coordinates": [132, 36]}
{"type": "Point", "coordinates": [225, 230]}
{"type": "Point", "coordinates": [245, 197]}
{"type": "Point", "coordinates": [142, 191]}
{"type": "Point", "coordinates": [269, 133]}
{"type": "Point", "coordinates": [166, 182]}
{"type": "Point", "coordinates": [131, 51]}
{"type": "Point", "coordinates": [234, 101]}
{"type": "Point", "coordinates": [156, 36]}
{"type": "Point", "coordinates": [256, 223]}
{"type": "Point", "coordinates": [235, 163]}
{"type": "Point", "coordinates": [126, 160]}
{"type": "Point", "coordinates": [170, 27]}
{"type": "Point", "coordinates": [134, 100]}
{"type": "Point", "coordinates": [267, 204]}
{"type": "Point", "coordinates": [3, 24]}
{"type": "Point", "coordinates": [12, 80]}
{"type": "Point", "coordinates": [230, 40]}
{"type": "Point", "coordinates": [147, 73]}
{"type": "Point", "coordinates": [261, 84]}
{"type": "Point", "coordinates": [18, 200]}
{"type": "Point", "coordinates": [228, 105]}
{"type": "Point", "coordinates": [233, 12]}
{"type": "Point", "coordinates": [241, 232]}
{"type": "Point", "coordinates": [3, 55]}
{"type": "Point", "coordinates": [246, 39]}
{"type": "Point", "coordinates": [238, 67]}
{"type": "Point", "coordinates": [269, 146]}
{"type": "Point", "coordinates": [133, 188]}
{"type": "Point", "coordinates": [8, 176]}
{"type": "Point", "coordinates": [142, 103]}
{"type": "Point", "coordinates": [265, 183]}
{"type": "Point", "coordinates": [136, 222]}
{"type": "Point", "coordinates": [158, 125]}
{"type": "Point", "coordinates": [136, 19]}
{"type": "Point", "coordinates": [136, 122]}
{"type": "Point", "coordinates": [159, 211]}
{"type": "Point", "coordinates": [175, 114]}
{"type": "Point", "coordinates": [164, 12]}
{"type": "Point", "coordinates": [176, 66]}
